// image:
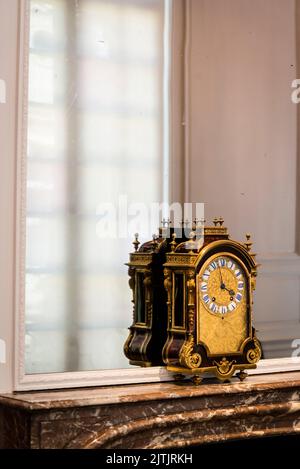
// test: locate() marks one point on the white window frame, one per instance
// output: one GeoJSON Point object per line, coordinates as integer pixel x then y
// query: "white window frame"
{"type": "Point", "coordinates": [178, 191]}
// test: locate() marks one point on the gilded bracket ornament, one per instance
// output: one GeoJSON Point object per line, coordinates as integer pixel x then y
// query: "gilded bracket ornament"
{"type": "Point", "coordinates": [168, 288]}
{"type": "Point", "coordinates": [254, 354]}
{"type": "Point", "coordinates": [191, 301]}
{"type": "Point", "coordinates": [224, 366]}
{"type": "Point", "coordinates": [187, 357]}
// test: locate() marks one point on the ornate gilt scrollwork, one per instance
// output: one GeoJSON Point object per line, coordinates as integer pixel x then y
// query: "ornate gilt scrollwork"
{"type": "Point", "coordinates": [191, 301]}
{"type": "Point", "coordinates": [168, 288]}
{"type": "Point", "coordinates": [254, 354]}
{"type": "Point", "coordinates": [138, 259]}
{"type": "Point", "coordinates": [188, 259]}
{"type": "Point", "coordinates": [148, 295]}
{"type": "Point", "coordinates": [187, 356]}
{"type": "Point", "coordinates": [127, 342]}
{"type": "Point", "coordinates": [224, 366]}
{"type": "Point", "coordinates": [253, 280]}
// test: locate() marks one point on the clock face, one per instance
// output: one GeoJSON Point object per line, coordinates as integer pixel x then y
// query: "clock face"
{"type": "Point", "coordinates": [222, 285]}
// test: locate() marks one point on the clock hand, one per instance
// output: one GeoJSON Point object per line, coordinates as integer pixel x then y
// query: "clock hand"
{"type": "Point", "coordinates": [231, 292]}
{"type": "Point", "coordinates": [223, 287]}
{"type": "Point", "coordinates": [221, 278]}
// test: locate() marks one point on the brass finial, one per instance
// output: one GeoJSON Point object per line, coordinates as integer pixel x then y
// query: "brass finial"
{"type": "Point", "coordinates": [248, 242]}
{"type": "Point", "coordinates": [136, 242]}
{"type": "Point", "coordinates": [198, 225]}
{"type": "Point", "coordinates": [185, 223]}
{"type": "Point", "coordinates": [218, 221]}
{"type": "Point", "coordinates": [191, 243]}
{"type": "Point", "coordinates": [173, 242]}
{"type": "Point", "coordinates": [165, 222]}
{"type": "Point", "coordinates": [154, 242]}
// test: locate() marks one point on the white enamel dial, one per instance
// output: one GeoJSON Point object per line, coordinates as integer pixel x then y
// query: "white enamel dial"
{"type": "Point", "coordinates": [222, 285]}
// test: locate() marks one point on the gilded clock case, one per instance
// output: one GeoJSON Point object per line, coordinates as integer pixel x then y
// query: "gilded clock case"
{"type": "Point", "coordinates": [183, 351]}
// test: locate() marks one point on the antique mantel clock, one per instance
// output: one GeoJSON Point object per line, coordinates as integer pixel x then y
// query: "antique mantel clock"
{"type": "Point", "coordinates": [209, 282]}
{"type": "Point", "coordinates": [192, 303]}
{"type": "Point", "coordinates": [148, 331]}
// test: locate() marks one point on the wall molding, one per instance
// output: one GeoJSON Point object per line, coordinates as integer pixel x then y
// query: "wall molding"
{"type": "Point", "coordinates": [285, 263]}
{"type": "Point", "coordinates": [277, 336]}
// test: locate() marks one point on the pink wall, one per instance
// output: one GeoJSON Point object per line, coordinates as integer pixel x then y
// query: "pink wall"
{"type": "Point", "coordinates": [243, 123]}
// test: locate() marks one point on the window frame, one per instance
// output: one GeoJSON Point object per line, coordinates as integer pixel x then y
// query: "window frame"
{"type": "Point", "coordinates": [178, 191]}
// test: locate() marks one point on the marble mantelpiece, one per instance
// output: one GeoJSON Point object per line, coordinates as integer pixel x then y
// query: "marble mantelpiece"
{"type": "Point", "coordinates": [164, 415]}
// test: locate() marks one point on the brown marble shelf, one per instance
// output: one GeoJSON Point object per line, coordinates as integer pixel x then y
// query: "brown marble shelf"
{"type": "Point", "coordinates": [158, 415]}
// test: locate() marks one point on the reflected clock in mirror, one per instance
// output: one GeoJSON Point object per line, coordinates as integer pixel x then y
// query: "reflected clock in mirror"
{"type": "Point", "coordinates": [223, 304]}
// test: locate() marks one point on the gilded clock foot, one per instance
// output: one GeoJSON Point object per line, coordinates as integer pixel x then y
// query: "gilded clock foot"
{"type": "Point", "coordinates": [242, 375]}
{"type": "Point", "coordinates": [178, 377]}
{"type": "Point", "coordinates": [196, 379]}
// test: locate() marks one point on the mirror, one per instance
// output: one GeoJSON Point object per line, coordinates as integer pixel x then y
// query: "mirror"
{"type": "Point", "coordinates": [100, 122]}
{"type": "Point", "coordinates": [96, 148]}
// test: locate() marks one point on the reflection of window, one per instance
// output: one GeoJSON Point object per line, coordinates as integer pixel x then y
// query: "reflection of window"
{"type": "Point", "coordinates": [97, 107]}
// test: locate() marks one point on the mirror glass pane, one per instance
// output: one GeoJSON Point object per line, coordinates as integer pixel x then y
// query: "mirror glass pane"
{"type": "Point", "coordinates": [96, 106]}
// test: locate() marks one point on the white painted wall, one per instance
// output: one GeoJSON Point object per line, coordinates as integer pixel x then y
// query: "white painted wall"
{"type": "Point", "coordinates": [8, 73]}
{"type": "Point", "coordinates": [243, 142]}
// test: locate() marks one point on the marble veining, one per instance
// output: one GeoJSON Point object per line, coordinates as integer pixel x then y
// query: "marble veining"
{"type": "Point", "coordinates": [141, 392]}
{"type": "Point", "coordinates": [163, 415]}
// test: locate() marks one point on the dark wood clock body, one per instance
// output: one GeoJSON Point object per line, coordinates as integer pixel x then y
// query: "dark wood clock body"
{"type": "Point", "coordinates": [148, 332]}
